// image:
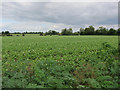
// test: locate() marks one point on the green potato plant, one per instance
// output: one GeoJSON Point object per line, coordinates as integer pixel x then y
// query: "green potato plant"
{"type": "Point", "coordinates": [60, 62]}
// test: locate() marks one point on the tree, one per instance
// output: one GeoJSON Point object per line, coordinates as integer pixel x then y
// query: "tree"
{"type": "Point", "coordinates": [112, 31]}
{"type": "Point", "coordinates": [64, 31]}
{"type": "Point", "coordinates": [90, 30]}
{"type": "Point", "coordinates": [16, 33]}
{"type": "Point", "coordinates": [26, 32]}
{"type": "Point", "coordinates": [67, 31]}
{"type": "Point", "coordinates": [118, 31]}
{"type": "Point", "coordinates": [76, 33]}
{"type": "Point", "coordinates": [50, 32]}
{"type": "Point", "coordinates": [81, 31]}
{"type": "Point", "coordinates": [23, 34]}
{"type": "Point", "coordinates": [101, 31]}
{"type": "Point", "coordinates": [55, 33]}
{"type": "Point", "coordinates": [86, 32]}
{"type": "Point", "coordinates": [3, 33]}
{"type": "Point", "coordinates": [70, 31]}
{"type": "Point", "coordinates": [7, 33]}
{"type": "Point", "coordinates": [41, 33]}
{"type": "Point", "coordinates": [98, 32]}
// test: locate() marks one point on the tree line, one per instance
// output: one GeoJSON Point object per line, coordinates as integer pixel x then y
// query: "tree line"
{"type": "Point", "coordinates": [83, 31]}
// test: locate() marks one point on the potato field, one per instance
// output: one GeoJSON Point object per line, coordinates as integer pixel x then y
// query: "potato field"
{"type": "Point", "coordinates": [60, 61]}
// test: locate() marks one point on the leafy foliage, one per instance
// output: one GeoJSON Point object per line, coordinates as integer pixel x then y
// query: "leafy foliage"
{"type": "Point", "coordinates": [60, 62]}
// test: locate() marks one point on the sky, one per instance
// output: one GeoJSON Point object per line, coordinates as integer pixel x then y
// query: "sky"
{"type": "Point", "coordinates": [44, 16]}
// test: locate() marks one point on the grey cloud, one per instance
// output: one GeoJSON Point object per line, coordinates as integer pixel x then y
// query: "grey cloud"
{"type": "Point", "coordinates": [71, 13]}
{"type": "Point", "coordinates": [44, 26]}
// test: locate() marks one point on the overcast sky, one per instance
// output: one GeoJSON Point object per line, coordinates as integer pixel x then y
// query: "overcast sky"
{"type": "Point", "coordinates": [43, 16]}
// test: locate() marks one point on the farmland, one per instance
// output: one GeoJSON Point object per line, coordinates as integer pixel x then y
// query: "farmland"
{"type": "Point", "coordinates": [60, 61]}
